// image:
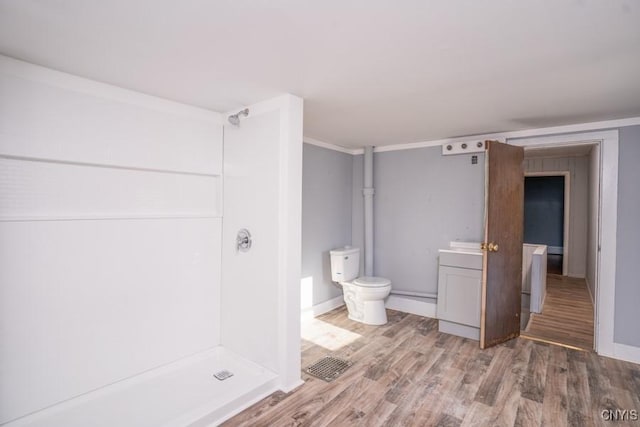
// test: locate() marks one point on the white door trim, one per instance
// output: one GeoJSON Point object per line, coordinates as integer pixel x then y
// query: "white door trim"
{"type": "Point", "coordinates": [606, 260]}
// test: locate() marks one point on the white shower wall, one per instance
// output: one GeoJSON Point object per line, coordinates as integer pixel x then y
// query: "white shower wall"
{"type": "Point", "coordinates": [110, 235]}
{"type": "Point", "coordinates": [260, 312]}
{"type": "Point", "coordinates": [113, 254]}
{"type": "Point", "coordinates": [250, 279]}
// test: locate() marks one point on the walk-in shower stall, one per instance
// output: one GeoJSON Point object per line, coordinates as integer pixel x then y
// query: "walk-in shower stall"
{"type": "Point", "coordinates": [149, 254]}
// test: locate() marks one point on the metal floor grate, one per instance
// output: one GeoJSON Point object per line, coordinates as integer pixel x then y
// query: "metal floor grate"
{"type": "Point", "coordinates": [328, 368]}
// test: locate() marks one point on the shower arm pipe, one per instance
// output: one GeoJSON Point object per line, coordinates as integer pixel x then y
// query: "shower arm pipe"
{"type": "Point", "coordinates": [234, 119]}
{"type": "Point", "coordinates": [415, 294]}
{"type": "Point", "coordinates": [368, 192]}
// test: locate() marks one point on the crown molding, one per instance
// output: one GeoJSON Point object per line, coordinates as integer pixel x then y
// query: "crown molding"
{"type": "Point", "coordinates": [499, 136]}
{"type": "Point", "coordinates": [329, 146]}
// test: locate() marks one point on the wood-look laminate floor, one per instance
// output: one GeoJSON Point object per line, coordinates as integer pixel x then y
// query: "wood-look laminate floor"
{"type": "Point", "coordinates": [567, 314]}
{"type": "Point", "coordinates": [406, 373]}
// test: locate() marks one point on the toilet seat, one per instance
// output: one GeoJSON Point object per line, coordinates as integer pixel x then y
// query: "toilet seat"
{"type": "Point", "coordinates": [371, 282]}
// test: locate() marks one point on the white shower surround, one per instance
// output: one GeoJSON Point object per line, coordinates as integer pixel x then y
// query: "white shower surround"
{"type": "Point", "coordinates": [263, 193]}
{"type": "Point", "coordinates": [149, 265]}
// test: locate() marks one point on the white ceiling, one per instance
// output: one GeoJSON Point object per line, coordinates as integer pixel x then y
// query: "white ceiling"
{"type": "Point", "coordinates": [371, 72]}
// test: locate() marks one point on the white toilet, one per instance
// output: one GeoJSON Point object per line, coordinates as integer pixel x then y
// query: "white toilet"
{"type": "Point", "coordinates": [364, 296]}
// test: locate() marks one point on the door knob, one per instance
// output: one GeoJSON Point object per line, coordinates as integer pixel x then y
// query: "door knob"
{"type": "Point", "coordinates": [491, 247]}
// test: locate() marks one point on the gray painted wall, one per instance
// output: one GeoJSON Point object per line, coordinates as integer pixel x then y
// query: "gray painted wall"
{"type": "Point", "coordinates": [627, 299]}
{"type": "Point", "coordinates": [326, 216]}
{"type": "Point", "coordinates": [423, 201]}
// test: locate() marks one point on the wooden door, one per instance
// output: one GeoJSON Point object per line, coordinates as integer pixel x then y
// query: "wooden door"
{"type": "Point", "coordinates": [503, 233]}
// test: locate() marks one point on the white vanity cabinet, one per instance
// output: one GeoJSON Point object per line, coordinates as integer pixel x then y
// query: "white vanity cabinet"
{"type": "Point", "coordinates": [459, 290]}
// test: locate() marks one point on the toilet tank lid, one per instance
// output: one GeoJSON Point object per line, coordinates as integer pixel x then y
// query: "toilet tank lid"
{"type": "Point", "coordinates": [346, 250]}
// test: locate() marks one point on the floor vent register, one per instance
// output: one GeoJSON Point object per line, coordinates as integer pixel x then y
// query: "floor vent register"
{"type": "Point", "coordinates": [328, 368]}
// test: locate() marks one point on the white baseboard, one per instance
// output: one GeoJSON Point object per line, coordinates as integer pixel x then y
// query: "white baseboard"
{"type": "Point", "coordinates": [420, 306]}
{"type": "Point", "coordinates": [323, 307]}
{"type": "Point", "coordinates": [555, 250]}
{"type": "Point", "coordinates": [414, 305]}
{"type": "Point", "coordinates": [626, 352]}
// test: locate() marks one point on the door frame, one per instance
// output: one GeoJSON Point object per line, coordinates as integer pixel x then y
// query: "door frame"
{"type": "Point", "coordinates": [567, 207]}
{"type": "Point", "coordinates": [607, 225]}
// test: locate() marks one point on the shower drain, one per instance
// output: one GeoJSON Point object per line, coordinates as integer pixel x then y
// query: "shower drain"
{"type": "Point", "coordinates": [328, 368]}
{"type": "Point", "coordinates": [223, 375]}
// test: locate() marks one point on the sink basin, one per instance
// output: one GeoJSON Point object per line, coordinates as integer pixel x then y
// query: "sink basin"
{"type": "Point", "coordinates": [463, 255]}
{"type": "Point", "coordinates": [471, 247]}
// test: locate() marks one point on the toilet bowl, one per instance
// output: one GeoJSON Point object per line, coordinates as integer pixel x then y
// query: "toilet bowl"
{"type": "Point", "coordinates": [364, 296]}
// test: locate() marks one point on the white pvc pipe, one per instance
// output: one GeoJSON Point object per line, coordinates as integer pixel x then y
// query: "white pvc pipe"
{"type": "Point", "coordinates": [415, 294]}
{"type": "Point", "coordinates": [368, 193]}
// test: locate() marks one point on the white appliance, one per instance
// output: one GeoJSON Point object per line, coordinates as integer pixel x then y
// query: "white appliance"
{"type": "Point", "coordinates": [365, 295]}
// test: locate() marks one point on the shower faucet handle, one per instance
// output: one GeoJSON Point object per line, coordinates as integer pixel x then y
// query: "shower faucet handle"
{"type": "Point", "coordinates": [243, 240]}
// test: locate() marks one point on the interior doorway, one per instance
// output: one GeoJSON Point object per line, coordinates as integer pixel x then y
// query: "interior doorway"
{"type": "Point", "coordinates": [562, 215]}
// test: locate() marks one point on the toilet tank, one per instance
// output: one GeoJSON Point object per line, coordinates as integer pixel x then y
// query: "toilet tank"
{"type": "Point", "coordinates": [345, 264]}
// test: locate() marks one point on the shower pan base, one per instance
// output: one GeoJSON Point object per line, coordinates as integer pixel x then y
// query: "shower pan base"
{"type": "Point", "coordinates": [182, 393]}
